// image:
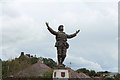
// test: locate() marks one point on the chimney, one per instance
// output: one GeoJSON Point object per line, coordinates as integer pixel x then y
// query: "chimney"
{"type": "Point", "coordinates": [22, 54]}
{"type": "Point", "coordinates": [28, 55]}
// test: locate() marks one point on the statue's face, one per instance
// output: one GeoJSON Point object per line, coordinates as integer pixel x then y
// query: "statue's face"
{"type": "Point", "coordinates": [61, 28]}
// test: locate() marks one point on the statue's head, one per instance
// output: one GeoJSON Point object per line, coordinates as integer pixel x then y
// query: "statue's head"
{"type": "Point", "coordinates": [60, 28]}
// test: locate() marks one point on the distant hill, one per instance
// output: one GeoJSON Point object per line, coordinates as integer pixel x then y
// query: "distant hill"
{"type": "Point", "coordinates": [10, 67]}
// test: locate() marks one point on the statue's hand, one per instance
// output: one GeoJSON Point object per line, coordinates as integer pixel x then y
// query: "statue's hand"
{"type": "Point", "coordinates": [77, 31]}
{"type": "Point", "coordinates": [47, 24]}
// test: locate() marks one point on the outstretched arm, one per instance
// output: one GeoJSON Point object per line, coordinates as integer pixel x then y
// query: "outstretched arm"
{"type": "Point", "coordinates": [73, 35]}
{"type": "Point", "coordinates": [50, 29]}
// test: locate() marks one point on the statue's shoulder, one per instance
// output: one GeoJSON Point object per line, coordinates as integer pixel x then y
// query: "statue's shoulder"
{"type": "Point", "coordinates": [64, 32]}
{"type": "Point", "coordinates": [60, 32]}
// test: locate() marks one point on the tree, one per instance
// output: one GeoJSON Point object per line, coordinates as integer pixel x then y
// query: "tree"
{"type": "Point", "coordinates": [13, 66]}
{"type": "Point", "coordinates": [49, 62]}
{"type": "Point", "coordinates": [108, 79]}
{"type": "Point", "coordinates": [117, 77]}
{"type": "Point", "coordinates": [34, 60]}
{"type": "Point", "coordinates": [87, 72]}
{"type": "Point", "coordinates": [92, 73]}
{"type": "Point", "coordinates": [48, 74]}
{"type": "Point", "coordinates": [99, 73]}
{"type": "Point", "coordinates": [84, 70]}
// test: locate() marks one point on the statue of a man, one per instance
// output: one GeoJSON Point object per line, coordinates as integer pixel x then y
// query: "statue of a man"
{"type": "Point", "coordinates": [61, 42]}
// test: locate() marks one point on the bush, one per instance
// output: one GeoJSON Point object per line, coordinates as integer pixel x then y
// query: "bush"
{"type": "Point", "coordinates": [48, 74]}
{"type": "Point", "coordinates": [108, 79]}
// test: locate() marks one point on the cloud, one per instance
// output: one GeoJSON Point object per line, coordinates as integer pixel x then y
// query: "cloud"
{"type": "Point", "coordinates": [63, 1]}
{"type": "Point", "coordinates": [23, 29]}
{"type": "Point", "coordinates": [79, 62]}
{"type": "Point", "coordinates": [9, 53]}
{"type": "Point", "coordinates": [17, 29]}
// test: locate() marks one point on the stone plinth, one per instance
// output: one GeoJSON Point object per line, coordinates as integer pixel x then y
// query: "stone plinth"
{"type": "Point", "coordinates": [60, 74]}
{"type": "Point", "coordinates": [65, 73]}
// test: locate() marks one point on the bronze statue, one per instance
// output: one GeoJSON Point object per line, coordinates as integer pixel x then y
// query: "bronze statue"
{"type": "Point", "coordinates": [61, 42]}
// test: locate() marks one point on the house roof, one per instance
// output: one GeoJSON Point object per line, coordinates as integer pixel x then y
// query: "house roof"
{"type": "Point", "coordinates": [78, 75]}
{"type": "Point", "coordinates": [36, 70]}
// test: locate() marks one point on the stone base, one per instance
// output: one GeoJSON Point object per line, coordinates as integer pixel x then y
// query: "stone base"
{"type": "Point", "coordinates": [61, 74]}
{"type": "Point", "coordinates": [69, 74]}
{"type": "Point", "coordinates": [61, 66]}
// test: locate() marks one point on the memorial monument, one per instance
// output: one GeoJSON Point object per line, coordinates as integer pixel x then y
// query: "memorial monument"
{"type": "Point", "coordinates": [61, 45]}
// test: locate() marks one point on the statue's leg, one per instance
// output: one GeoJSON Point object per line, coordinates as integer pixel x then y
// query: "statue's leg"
{"type": "Point", "coordinates": [64, 50]}
{"type": "Point", "coordinates": [59, 51]}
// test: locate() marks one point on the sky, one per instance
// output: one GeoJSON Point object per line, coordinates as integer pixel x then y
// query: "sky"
{"type": "Point", "coordinates": [23, 29]}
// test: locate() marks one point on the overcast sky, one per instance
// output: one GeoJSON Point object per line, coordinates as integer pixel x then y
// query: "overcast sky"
{"type": "Point", "coordinates": [95, 47]}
